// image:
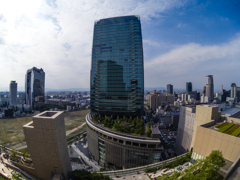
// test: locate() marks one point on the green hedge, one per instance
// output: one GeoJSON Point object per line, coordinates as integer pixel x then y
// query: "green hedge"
{"type": "Point", "coordinates": [236, 132]}
{"type": "Point", "coordinates": [226, 127]}
{"type": "Point", "coordinates": [232, 129]}
{"type": "Point", "coordinates": [221, 125]}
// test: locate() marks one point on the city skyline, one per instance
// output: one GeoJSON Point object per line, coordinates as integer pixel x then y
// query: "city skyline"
{"type": "Point", "coordinates": [183, 41]}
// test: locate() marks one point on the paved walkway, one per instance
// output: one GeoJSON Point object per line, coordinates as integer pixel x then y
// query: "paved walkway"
{"type": "Point", "coordinates": [7, 170]}
{"type": "Point", "coordinates": [160, 173]}
{"type": "Point", "coordinates": [75, 129]}
{"type": "Point", "coordinates": [141, 176]}
{"type": "Point", "coordinates": [90, 162]}
{"type": "Point", "coordinates": [3, 167]}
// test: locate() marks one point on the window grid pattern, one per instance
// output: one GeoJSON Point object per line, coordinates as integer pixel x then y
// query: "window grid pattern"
{"type": "Point", "coordinates": [117, 77]}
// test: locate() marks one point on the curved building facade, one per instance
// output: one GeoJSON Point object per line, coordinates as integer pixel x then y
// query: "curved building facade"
{"type": "Point", "coordinates": [115, 150]}
{"type": "Point", "coordinates": [117, 78]}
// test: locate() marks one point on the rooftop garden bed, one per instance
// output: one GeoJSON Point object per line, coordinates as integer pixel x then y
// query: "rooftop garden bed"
{"type": "Point", "coordinates": [229, 128]}
{"type": "Point", "coordinates": [226, 127]}
{"type": "Point", "coordinates": [236, 132]}
{"type": "Point", "coordinates": [232, 129]}
{"type": "Point", "coordinates": [222, 125]}
{"type": "Point", "coordinates": [124, 125]}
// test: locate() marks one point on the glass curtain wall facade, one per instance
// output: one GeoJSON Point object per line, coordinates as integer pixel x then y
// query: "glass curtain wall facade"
{"type": "Point", "coordinates": [188, 87]}
{"type": "Point", "coordinates": [35, 87]}
{"type": "Point", "coordinates": [117, 77]}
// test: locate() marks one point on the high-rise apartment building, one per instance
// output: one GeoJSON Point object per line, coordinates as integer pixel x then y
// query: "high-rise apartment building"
{"type": "Point", "coordinates": [34, 87]}
{"type": "Point", "coordinates": [188, 87]}
{"type": "Point", "coordinates": [233, 90]}
{"type": "Point", "coordinates": [117, 79]}
{"type": "Point", "coordinates": [169, 89]}
{"type": "Point", "coordinates": [13, 93]}
{"type": "Point", "coordinates": [210, 87]}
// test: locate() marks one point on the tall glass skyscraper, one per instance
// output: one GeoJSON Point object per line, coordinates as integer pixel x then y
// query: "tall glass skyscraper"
{"type": "Point", "coordinates": [188, 87]}
{"type": "Point", "coordinates": [117, 76]}
{"type": "Point", "coordinates": [35, 87]}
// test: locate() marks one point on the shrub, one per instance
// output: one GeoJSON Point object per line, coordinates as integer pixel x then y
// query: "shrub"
{"type": "Point", "coordinates": [225, 128]}
{"type": "Point", "coordinates": [102, 169]}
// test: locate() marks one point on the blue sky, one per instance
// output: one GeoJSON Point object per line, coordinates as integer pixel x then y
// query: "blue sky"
{"type": "Point", "coordinates": [183, 40]}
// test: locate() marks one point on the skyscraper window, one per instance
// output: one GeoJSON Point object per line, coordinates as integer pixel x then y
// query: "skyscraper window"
{"type": "Point", "coordinates": [117, 78]}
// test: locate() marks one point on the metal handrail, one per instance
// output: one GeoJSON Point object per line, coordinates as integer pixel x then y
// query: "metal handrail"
{"type": "Point", "coordinates": [142, 168]}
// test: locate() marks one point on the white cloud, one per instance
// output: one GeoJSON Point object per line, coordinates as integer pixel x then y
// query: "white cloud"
{"type": "Point", "coordinates": [57, 36]}
{"type": "Point", "coordinates": [151, 42]}
{"type": "Point", "coordinates": [192, 62]}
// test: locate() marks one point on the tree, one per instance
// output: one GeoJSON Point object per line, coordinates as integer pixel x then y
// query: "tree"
{"type": "Point", "coordinates": [149, 133]}
{"type": "Point", "coordinates": [84, 135]}
{"type": "Point", "coordinates": [13, 152]}
{"type": "Point", "coordinates": [203, 169]}
{"type": "Point", "coordinates": [207, 168]}
{"type": "Point", "coordinates": [85, 175]}
{"type": "Point", "coordinates": [15, 175]}
{"type": "Point", "coordinates": [101, 169]}
{"type": "Point", "coordinates": [81, 175]}
{"type": "Point", "coordinates": [24, 153]}
{"type": "Point", "coordinates": [147, 170]}
{"type": "Point", "coordinates": [75, 138]}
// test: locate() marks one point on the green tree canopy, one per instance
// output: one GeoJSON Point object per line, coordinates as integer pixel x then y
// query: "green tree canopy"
{"type": "Point", "coordinates": [203, 169]}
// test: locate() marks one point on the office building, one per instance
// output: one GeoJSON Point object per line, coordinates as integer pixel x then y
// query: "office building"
{"type": "Point", "coordinates": [117, 77]}
{"type": "Point", "coordinates": [185, 129]}
{"type": "Point", "coordinates": [238, 94]}
{"type": "Point", "coordinates": [47, 145]}
{"type": "Point", "coordinates": [35, 87]}
{"type": "Point", "coordinates": [222, 97]}
{"type": "Point", "coordinates": [13, 93]}
{"type": "Point", "coordinates": [169, 89]}
{"type": "Point", "coordinates": [188, 87]}
{"type": "Point", "coordinates": [210, 87]}
{"type": "Point", "coordinates": [189, 119]}
{"type": "Point", "coordinates": [233, 90]}
{"type": "Point", "coordinates": [159, 99]}
{"type": "Point", "coordinates": [116, 150]}
{"type": "Point", "coordinates": [21, 97]}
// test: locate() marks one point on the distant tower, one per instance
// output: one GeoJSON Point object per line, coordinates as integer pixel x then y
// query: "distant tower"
{"type": "Point", "coordinates": [169, 89]}
{"type": "Point", "coordinates": [13, 93]}
{"type": "Point", "coordinates": [233, 90]}
{"type": "Point", "coordinates": [34, 86]}
{"type": "Point", "coordinates": [210, 87]}
{"type": "Point", "coordinates": [188, 87]}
